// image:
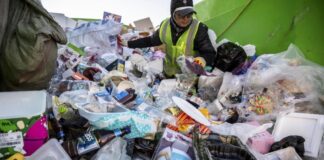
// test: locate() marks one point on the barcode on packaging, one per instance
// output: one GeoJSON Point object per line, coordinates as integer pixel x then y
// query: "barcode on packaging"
{"type": "Point", "coordinates": [11, 139]}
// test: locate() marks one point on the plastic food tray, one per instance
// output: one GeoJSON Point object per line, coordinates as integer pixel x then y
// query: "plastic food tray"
{"type": "Point", "coordinates": [309, 126]}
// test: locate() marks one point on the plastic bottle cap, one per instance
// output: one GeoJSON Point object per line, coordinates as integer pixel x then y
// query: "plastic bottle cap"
{"type": "Point", "coordinates": [128, 129]}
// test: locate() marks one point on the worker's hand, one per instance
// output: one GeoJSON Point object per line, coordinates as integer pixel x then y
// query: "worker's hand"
{"type": "Point", "coordinates": [201, 61]}
{"type": "Point", "coordinates": [196, 65]}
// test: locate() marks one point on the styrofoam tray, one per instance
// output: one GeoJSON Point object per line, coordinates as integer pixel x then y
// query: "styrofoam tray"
{"type": "Point", "coordinates": [309, 126]}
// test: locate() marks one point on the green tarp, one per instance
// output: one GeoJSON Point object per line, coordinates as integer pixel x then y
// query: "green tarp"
{"type": "Point", "coordinates": [270, 25]}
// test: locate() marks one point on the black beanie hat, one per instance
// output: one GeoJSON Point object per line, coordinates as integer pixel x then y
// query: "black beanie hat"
{"type": "Point", "coordinates": [182, 3]}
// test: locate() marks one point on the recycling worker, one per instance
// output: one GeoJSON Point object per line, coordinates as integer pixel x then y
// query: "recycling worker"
{"type": "Point", "coordinates": [182, 34]}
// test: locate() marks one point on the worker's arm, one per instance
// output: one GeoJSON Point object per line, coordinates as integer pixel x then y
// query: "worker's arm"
{"type": "Point", "coordinates": [153, 40]}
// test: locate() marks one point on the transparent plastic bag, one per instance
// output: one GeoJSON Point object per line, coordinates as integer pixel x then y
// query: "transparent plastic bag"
{"type": "Point", "coordinates": [231, 90]}
{"type": "Point", "coordinates": [155, 66]}
{"type": "Point", "coordinates": [115, 149]}
{"type": "Point", "coordinates": [75, 97]}
{"type": "Point", "coordinates": [208, 86]}
{"type": "Point", "coordinates": [185, 82]}
{"type": "Point", "coordinates": [166, 86]}
{"type": "Point", "coordinates": [59, 87]}
{"type": "Point", "coordinates": [291, 65]}
{"type": "Point", "coordinates": [143, 90]}
{"type": "Point", "coordinates": [101, 34]}
{"type": "Point", "coordinates": [295, 74]}
{"type": "Point", "coordinates": [157, 113]}
{"type": "Point", "coordinates": [264, 103]}
{"type": "Point", "coordinates": [105, 59]}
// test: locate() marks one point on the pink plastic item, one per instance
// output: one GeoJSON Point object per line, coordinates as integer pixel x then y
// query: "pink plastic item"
{"type": "Point", "coordinates": [260, 142]}
{"type": "Point", "coordinates": [36, 136]}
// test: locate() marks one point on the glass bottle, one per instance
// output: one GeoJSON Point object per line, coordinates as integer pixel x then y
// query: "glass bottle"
{"type": "Point", "coordinates": [92, 140]}
{"type": "Point", "coordinates": [56, 126]}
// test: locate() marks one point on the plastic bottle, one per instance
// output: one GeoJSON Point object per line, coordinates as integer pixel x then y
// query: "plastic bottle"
{"type": "Point", "coordinates": [92, 141]}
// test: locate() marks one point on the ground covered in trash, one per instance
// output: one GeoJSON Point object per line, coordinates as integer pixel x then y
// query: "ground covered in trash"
{"type": "Point", "coordinates": [107, 100]}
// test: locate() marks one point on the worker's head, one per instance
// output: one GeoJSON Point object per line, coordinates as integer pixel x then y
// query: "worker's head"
{"type": "Point", "coordinates": [182, 11]}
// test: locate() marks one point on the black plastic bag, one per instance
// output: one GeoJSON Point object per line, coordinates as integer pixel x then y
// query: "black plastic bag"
{"type": "Point", "coordinates": [229, 57]}
{"type": "Point", "coordinates": [291, 141]}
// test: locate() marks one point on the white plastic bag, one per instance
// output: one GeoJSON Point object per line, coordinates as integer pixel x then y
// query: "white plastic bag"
{"type": "Point", "coordinates": [295, 74]}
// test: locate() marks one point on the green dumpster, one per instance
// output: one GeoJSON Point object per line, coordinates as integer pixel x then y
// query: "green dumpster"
{"type": "Point", "coordinates": [270, 25]}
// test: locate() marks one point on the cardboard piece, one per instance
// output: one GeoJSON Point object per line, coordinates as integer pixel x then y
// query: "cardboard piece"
{"type": "Point", "coordinates": [111, 16]}
{"type": "Point", "coordinates": [144, 25]}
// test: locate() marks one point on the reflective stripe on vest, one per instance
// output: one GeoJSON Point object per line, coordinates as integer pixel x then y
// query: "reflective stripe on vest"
{"type": "Point", "coordinates": [188, 35]}
{"type": "Point", "coordinates": [184, 44]}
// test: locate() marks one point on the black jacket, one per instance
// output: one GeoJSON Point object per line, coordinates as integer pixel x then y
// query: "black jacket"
{"type": "Point", "coordinates": [202, 42]}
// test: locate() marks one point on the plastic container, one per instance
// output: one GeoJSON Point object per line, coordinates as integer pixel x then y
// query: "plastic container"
{"type": "Point", "coordinates": [22, 113]}
{"type": "Point", "coordinates": [52, 150]}
{"type": "Point", "coordinates": [92, 116]}
{"type": "Point", "coordinates": [22, 104]}
{"type": "Point", "coordinates": [309, 126]}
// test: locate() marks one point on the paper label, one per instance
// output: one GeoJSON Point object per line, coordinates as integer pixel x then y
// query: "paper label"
{"type": "Point", "coordinates": [117, 132]}
{"type": "Point", "coordinates": [11, 139]}
{"type": "Point", "coordinates": [87, 143]}
{"type": "Point", "coordinates": [121, 95]}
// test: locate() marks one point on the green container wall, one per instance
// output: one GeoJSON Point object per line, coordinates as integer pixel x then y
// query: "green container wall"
{"type": "Point", "coordinates": [271, 25]}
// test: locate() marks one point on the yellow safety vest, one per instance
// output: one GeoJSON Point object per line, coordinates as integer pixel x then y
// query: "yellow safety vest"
{"type": "Point", "coordinates": [184, 45]}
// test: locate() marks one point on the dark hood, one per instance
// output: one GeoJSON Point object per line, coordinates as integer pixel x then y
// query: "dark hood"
{"type": "Point", "coordinates": [181, 3]}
